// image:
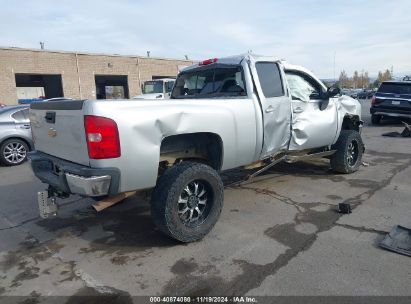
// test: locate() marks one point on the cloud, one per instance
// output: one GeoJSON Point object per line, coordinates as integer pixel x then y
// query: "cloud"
{"type": "Point", "coordinates": [363, 35]}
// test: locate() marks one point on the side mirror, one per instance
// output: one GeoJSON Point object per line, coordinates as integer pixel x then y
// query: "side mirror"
{"type": "Point", "coordinates": [331, 92]}
{"type": "Point", "coordinates": [324, 104]}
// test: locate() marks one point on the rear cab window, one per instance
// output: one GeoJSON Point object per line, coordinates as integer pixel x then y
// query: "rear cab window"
{"type": "Point", "coordinates": [151, 87]}
{"type": "Point", "coordinates": [213, 81]}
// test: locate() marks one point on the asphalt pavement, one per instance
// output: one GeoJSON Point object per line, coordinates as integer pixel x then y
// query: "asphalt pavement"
{"type": "Point", "coordinates": [279, 234]}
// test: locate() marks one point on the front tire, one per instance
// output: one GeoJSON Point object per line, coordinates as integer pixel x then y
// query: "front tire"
{"type": "Point", "coordinates": [349, 153]}
{"type": "Point", "coordinates": [187, 201]}
{"type": "Point", "coordinates": [13, 152]}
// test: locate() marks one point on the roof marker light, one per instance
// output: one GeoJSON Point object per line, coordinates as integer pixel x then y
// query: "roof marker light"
{"type": "Point", "coordinates": [208, 61]}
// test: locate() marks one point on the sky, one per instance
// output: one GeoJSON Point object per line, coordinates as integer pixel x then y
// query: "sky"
{"type": "Point", "coordinates": [360, 35]}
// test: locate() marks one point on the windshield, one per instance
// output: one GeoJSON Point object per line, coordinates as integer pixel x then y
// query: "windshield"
{"type": "Point", "coordinates": [151, 87]}
{"type": "Point", "coordinates": [210, 81]}
{"type": "Point", "coordinates": [395, 88]}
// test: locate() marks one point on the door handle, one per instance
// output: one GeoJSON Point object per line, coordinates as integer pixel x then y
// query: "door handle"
{"type": "Point", "coordinates": [269, 109]}
{"type": "Point", "coordinates": [25, 127]}
{"type": "Point", "coordinates": [298, 110]}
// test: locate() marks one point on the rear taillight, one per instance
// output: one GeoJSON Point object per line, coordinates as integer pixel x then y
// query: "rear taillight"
{"type": "Point", "coordinates": [373, 100]}
{"type": "Point", "coordinates": [102, 137]}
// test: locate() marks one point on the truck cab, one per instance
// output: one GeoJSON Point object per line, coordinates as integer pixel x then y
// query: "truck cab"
{"type": "Point", "coordinates": [156, 89]}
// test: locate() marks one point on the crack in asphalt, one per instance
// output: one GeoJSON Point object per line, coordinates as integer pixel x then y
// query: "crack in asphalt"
{"type": "Point", "coordinates": [362, 229]}
{"type": "Point", "coordinates": [282, 198]}
{"type": "Point", "coordinates": [20, 224]}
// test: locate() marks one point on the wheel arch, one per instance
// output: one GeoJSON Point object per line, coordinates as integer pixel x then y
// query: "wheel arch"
{"type": "Point", "coordinates": [351, 122]}
{"type": "Point", "coordinates": [206, 147]}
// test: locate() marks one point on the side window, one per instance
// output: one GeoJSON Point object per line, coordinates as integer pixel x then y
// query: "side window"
{"type": "Point", "coordinates": [270, 79]}
{"type": "Point", "coordinates": [21, 116]}
{"type": "Point", "coordinates": [214, 81]}
{"type": "Point", "coordinates": [169, 86]}
{"type": "Point", "coordinates": [302, 87]}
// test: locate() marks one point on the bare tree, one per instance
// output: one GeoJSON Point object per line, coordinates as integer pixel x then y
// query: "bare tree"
{"type": "Point", "coordinates": [355, 79]}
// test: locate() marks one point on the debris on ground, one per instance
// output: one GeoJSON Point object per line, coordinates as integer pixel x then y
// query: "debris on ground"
{"type": "Point", "coordinates": [112, 200]}
{"type": "Point", "coordinates": [398, 240]}
{"type": "Point", "coordinates": [405, 133]}
{"type": "Point", "coordinates": [344, 208]}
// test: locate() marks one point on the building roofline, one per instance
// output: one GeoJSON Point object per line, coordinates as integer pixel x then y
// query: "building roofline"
{"type": "Point", "coordinates": [12, 48]}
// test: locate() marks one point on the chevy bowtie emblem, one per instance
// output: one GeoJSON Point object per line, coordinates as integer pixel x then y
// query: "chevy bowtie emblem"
{"type": "Point", "coordinates": [52, 132]}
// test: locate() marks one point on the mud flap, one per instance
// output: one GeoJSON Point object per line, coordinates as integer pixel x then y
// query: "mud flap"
{"type": "Point", "coordinates": [47, 205]}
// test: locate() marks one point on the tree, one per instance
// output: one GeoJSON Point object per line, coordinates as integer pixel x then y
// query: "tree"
{"type": "Point", "coordinates": [366, 80]}
{"type": "Point", "coordinates": [387, 75]}
{"type": "Point", "coordinates": [380, 77]}
{"type": "Point", "coordinates": [363, 80]}
{"type": "Point", "coordinates": [355, 79]}
{"type": "Point", "coordinates": [343, 81]}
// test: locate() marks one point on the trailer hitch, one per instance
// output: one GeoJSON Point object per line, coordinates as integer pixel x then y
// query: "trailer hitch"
{"type": "Point", "coordinates": [47, 202]}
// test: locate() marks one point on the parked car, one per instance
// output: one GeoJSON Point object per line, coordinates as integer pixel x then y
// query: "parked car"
{"type": "Point", "coordinates": [156, 89]}
{"type": "Point", "coordinates": [365, 94]}
{"type": "Point", "coordinates": [15, 135]}
{"type": "Point", "coordinates": [223, 114]}
{"type": "Point", "coordinates": [29, 101]}
{"type": "Point", "coordinates": [392, 99]}
{"type": "Point", "coordinates": [57, 99]}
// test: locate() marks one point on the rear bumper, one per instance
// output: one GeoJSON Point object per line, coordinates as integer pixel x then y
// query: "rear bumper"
{"type": "Point", "coordinates": [71, 178]}
{"type": "Point", "coordinates": [390, 112]}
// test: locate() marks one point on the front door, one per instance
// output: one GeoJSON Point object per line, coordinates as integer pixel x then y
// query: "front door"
{"type": "Point", "coordinates": [312, 127]}
{"type": "Point", "coordinates": [275, 105]}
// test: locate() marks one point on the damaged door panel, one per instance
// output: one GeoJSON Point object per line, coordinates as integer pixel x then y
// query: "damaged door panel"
{"type": "Point", "coordinates": [275, 103]}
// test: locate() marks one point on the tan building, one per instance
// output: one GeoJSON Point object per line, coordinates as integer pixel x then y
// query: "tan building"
{"type": "Point", "coordinates": [31, 73]}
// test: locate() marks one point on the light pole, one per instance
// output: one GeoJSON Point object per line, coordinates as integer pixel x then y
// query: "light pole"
{"type": "Point", "coordinates": [334, 66]}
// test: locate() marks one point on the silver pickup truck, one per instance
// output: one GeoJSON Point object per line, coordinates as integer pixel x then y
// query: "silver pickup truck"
{"type": "Point", "coordinates": [223, 114]}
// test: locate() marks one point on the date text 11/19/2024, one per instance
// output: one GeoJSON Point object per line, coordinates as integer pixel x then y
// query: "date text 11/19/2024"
{"type": "Point", "coordinates": [203, 300]}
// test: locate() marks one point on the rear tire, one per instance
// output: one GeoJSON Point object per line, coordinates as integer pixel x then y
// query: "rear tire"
{"type": "Point", "coordinates": [349, 153]}
{"type": "Point", "coordinates": [375, 119]}
{"type": "Point", "coordinates": [13, 152]}
{"type": "Point", "coordinates": [187, 201]}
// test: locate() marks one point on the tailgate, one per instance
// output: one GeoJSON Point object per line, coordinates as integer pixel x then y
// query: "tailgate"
{"type": "Point", "coordinates": [58, 129]}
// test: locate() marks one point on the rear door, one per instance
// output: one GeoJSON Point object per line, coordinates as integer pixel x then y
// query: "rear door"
{"type": "Point", "coordinates": [58, 130]}
{"type": "Point", "coordinates": [275, 104]}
